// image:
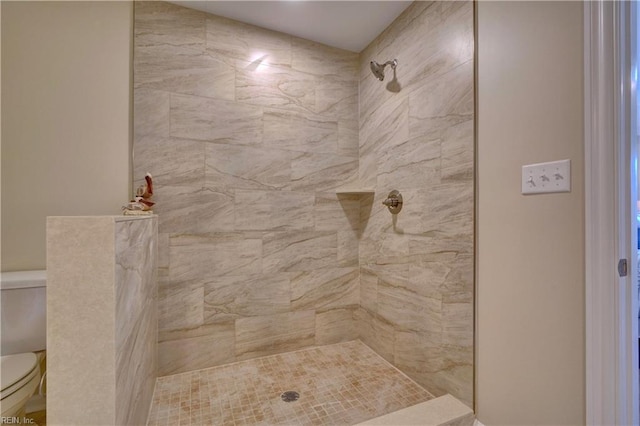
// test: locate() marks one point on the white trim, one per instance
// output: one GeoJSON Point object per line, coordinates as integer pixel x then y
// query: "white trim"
{"type": "Point", "coordinates": [599, 215]}
{"type": "Point", "coordinates": [626, 146]}
{"type": "Point", "coordinates": [611, 351]}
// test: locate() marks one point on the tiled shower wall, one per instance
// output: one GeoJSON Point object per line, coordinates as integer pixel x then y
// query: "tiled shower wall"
{"type": "Point", "coordinates": [249, 132]}
{"type": "Point", "coordinates": [416, 135]}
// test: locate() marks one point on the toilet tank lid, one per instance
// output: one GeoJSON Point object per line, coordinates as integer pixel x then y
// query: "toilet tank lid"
{"type": "Point", "coordinates": [23, 279]}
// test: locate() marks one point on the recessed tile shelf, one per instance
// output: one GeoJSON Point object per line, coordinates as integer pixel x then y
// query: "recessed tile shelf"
{"type": "Point", "coordinates": [355, 191]}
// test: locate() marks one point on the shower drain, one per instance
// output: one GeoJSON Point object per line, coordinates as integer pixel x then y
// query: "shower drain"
{"type": "Point", "coordinates": [290, 396]}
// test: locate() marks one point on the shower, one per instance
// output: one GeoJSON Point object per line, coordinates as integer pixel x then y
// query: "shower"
{"type": "Point", "coordinates": [378, 69]}
{"type": "Point", "coordinates": [304, 130]}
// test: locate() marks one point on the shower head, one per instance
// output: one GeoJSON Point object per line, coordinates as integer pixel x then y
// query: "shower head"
{"type": "Point", "coordinates": [378, 69]}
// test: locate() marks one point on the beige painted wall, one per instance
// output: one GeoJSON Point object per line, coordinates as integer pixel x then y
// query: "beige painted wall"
{"type": "Point", "coordinates": [65, 118]}
{"type": "Point", "coordinates": [530, 289]}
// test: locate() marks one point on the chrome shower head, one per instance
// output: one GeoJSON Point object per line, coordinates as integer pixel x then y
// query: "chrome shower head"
{"type": "Point", "coordinates": [378, 69]}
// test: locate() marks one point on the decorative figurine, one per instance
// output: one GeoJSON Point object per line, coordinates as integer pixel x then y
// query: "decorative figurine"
{"type": "Point", "coordinates": [141, 204]}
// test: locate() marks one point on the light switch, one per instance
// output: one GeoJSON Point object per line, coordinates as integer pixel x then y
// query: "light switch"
{"type": "Point", "coordinates": [554, 176]}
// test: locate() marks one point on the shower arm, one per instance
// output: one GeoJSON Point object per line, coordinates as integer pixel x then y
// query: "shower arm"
{"type": "Point", "coordinates": [393, 63]}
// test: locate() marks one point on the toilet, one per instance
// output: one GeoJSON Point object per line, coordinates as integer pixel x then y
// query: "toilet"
{"type": "Point", "coordinates": [23, 333]}
{"type": "Point", "coordinates": [20, 379]}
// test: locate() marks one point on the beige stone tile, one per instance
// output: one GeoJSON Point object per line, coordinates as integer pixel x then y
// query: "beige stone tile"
{"type": "Point", "coordinates": [439, 38]}
{"type": "Point", "coordinates": [322, 60]}
{"type": "Point", "coordinates": [458, 286]}
{"type": "Point", "coordinates": [231, 40]}
{"type": "Point", "coordinates": [409, 164]}
{"type": "Point", "coordinates": [442, 102]}
{"type": "Point", "coordinates": [230, 298]}
{"type": "Point", "coordinates": [163, 250]}
{"type": "Point", "coordinates": [185, 70]}
{"type": "Point", "coordinates": [387, 125]}
{"type": "Point", "coordinates": [184, 209]}
{"type": "Point", "coordinates": [337, 97]}
{"type": "Point", "coordinates": [419, 354]}
{"type": "Point", "coordinates": [273, 210]}
{"type": "Point", "coordinates": [192, 349]}
{"type": "Point", "coordinates": [348, 143]}
{"type": "Point", "coordinates": [457, 153]}
{"type": "Point", "coordinates": [136, 317]}
{"type": "Point", "coordinates": [321, 172]}
{"type": "Point", "coordinates": [233, 167]}
{"type": "Point", "coordinates": [336, 212]}
{"type": "Point", "coordinates": [150, 114]}
{"type": "Point", "coordinates": [347, 248]}
{"type": "Point", "coordinates": [171, 162]}
{"type": "Point", "coordinates": [443, 411]}
{"type": "Point", "coordinates": [215, 120]}
{"type": "Point", "coordinates": [162, 23]}
{"type": "Point", "coordinates": [117, 255]}
{"type": "Point", "coordinates": [457, 323]}
{"type": "Point", "coordinates": [404, 305]}
{"type": "Point", "coordinates": [275, 87]}
{"type": "Point", "coordinates": [266, 335]}
{"type": "Point", "coordinates": [324, 289]}
{"type": "Point", "coordinates": [434, 241]}
{"type": "Point", "coordinates": [368, 289]}
{"type": "Point", "coordinates": [181, 305]}
{"type": "Point", "coordinates": [428, 276]}
{"type": "Point", "coordinates": [300, 131]}
{"type": "Point", "coordinates": [450, 209]}
{"type": "Point", "coordinates": [335, 326]}
{"type": "Point", "coordinates": [376, 333]}
{"type": "Point", "coordinates": [205, 256]}
{"type": "Point", "coordinates": [298, 251]}
{"type": "Point", "coordinates": [332, 388]}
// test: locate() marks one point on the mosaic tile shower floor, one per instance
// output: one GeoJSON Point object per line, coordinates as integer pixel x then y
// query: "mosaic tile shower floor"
{"type": "Point", "coordinates": [340, 384]}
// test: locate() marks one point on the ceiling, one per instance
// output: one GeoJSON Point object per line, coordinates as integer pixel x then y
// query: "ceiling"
{"type": "Point", "coordinates": [349, 25]}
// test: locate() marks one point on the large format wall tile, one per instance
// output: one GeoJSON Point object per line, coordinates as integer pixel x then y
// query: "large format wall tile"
{"type": "Point", "coordinates": [298, 251]}
{"type": "Point", "coordinates": [321, 172]}
{"type": "Point", "coordinates": [230, 298]}
{"type": "Point", "coordinates": [416, 135]}
{"type": "Point", "coordinates": [203, 256]}
{"type": "Point", "coordinates": [266, 335]}
{"type": "Point", "coordinates": [275, 87]}
{"type": "Point", "coordinates": [168, 24]}
{"type": "Point", "coordinates": [233, 167]}
{"type": "Point", "coordinates": [184, 70]}
{"type": "Point", "coordinates": [336, 325]}
{"type": "Point", "coordinates": [306, 132]}
{"type": "Point", "coordinates": [215, 120]}
{"type": "Point", "coordinates": [193, 209]}
{"type": "Point", "coordinates": [249, 132]}
{"type": "Point", "coordinates": [273, 210]}
{"type": "Point", "coordinates": [231, 41]}
{"type": "Point", "coordinates": [174, 162]}
{"type": "Point", "coordinates": [325, 289]}
{"type": "Point", "coordinates": [192, 349]}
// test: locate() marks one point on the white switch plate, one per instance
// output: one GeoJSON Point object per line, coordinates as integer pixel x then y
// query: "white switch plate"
{"type": "Point", "coordinates": [554, 176]}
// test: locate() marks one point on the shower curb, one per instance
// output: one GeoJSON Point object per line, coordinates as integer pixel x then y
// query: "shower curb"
{"type": "Point", "coordinates": [442, 411]}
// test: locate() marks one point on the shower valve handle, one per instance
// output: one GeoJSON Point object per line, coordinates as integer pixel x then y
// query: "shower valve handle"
{"type": "Point", "coordinates": [394, 202]}
{"type": "Point", "coordinates": [391, 202]}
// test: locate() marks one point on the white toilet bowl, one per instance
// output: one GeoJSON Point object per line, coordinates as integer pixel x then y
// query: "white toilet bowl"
{"type": "Point", "coordinates": [20, 374]}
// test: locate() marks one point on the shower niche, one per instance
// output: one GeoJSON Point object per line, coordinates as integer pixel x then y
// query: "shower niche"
{"type": "Point", "coordinates": [272, 156]}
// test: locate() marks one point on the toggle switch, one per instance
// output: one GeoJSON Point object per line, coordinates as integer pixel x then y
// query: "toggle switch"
{"type": "Point", "coordinates": [536, 177]}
